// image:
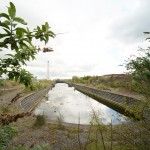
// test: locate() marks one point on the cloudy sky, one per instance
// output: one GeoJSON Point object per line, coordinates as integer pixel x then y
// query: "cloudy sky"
{"type": "Point", "coordinates": [98, 34]}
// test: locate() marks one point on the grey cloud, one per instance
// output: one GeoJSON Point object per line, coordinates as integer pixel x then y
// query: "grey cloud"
{"type": "Point", "coordinates": [130, 28]}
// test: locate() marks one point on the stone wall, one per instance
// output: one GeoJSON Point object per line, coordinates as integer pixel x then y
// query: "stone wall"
{"type": "Point", "coordinates": [29, 102]}
{"type": "Point", "coordinates": [123, 104]}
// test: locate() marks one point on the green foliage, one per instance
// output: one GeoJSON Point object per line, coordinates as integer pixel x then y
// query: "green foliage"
{"type": "Point", "coordinates": [75, 79]}
{"type": "Point", "coordinates": [1, 83]}
{"type": "Point", "coordinates": [38, 147]}
{"type": "Point", "coordinates": [6, 133]}
{"type": "Point", "coordinates": [19, 39]}
{"type": "Point", "coordinates": [4, 109]}
{"type": "Point", "coordinates": [40, 121]}
{"type": "Point", "coordinates": [101, 86]}
{"type": "Point", "coordinates": [139, 68]}
{"type": "Point", "coordinates": [116, 84]}
{"type": "Point", "coordinates": [37, 85]}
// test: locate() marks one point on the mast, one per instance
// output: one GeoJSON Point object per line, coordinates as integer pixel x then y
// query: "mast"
{"type": "Point", "coordinates": [47, 70]}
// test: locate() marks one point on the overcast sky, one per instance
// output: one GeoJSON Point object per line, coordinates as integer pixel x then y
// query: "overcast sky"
{"type": "Point", "coordinates": [98, 34]}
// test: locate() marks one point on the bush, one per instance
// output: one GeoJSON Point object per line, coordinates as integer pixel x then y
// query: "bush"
{"type": "Point", "coordinates": [101, 86]}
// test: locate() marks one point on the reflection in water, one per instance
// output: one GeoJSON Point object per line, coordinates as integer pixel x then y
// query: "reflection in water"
{"type": "Point", "coordinates": [72, 104]}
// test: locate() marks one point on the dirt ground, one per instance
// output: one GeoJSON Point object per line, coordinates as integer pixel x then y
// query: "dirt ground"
{"type": "Point", "coordinates": [55, 135]}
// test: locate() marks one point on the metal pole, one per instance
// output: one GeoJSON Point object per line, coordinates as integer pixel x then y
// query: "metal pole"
{"type": "Point", "coordinates": [47, 70]}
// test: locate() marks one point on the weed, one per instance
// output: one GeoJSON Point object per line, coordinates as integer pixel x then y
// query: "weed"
{"type": "Point", "coordinates": [38, 147]}
{"type": "Point", "coordinates": [40, 121]}
{"type": "Point", "coordinates": [6, 133]}
{"type": "Point", "coordinates": [1, 83]}
{"type": "Point", "coordinates": [4, 109]}
{"type": "Point", "coordinates": [60, 120]}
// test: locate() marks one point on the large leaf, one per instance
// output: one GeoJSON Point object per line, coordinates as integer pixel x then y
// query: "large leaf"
{"type": "Point", "coordinates": [50, 33]}
{"type": "Point", "coordinates": [4, 15]}
{"type": "Point", "coordinates": [38, 28]}
{"type": "Point", "coordinates": [21, 30]}
{"type": "Point", "coordinates": [19, 34]}
{"type": "Point", "coordinates": [47, 25]}
{"type": "Point", "coordinates": [2, 24]}
{"type": "Point", "coordinates": [3, 35]}
{"type": "Point", "coordinates": [11, 55]}
{"type": "Point", "coordinates": [47, 39]}
{"type": "Point", "coordinates": [7, 22]}
{"type": "Point", "coordinates": [20, 20]}
{"type": "Point", "coordinates": [44, 28]}
{"type": "Point", "coordinates": [12, 10]}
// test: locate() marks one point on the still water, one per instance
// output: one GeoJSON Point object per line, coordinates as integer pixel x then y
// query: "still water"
{"type": "Point", "coordinates": [71, 105]}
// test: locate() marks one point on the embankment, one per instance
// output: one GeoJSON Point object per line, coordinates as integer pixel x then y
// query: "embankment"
{"type": "Point", "coordinates": [122, 104]}
{"type": "Point", "coordinates": [28, 103]}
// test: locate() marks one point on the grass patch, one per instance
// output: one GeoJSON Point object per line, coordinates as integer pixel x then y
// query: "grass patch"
{"type": "Point", "coordinates": [40, 121]}
{"type": "Point", "coordinates": [4, 109]}
{"type": "Point", "coordinates": [60, 120]}
{"type": "Point", "coordinates": [38, 147]}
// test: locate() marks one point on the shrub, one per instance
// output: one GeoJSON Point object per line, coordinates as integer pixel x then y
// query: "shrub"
{"type": "Point", "coordinates": [101, 86]}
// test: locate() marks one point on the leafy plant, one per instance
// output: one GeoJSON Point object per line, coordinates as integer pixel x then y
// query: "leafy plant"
{"type": "Point", "coordinates": [6, 133]}
{"type": "Point", "coordinates": [20, 40]}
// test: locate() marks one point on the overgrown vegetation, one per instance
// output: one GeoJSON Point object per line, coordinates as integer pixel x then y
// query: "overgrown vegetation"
{"type": "Point", "coordinates": [5, 83]}
{"type": "Point", "coordinates": [40, 121]}
{"type": "Point", "coordinates": [37, 85]}
{"type": "Point", "coordinates": [139, 68]}
{"type": "Point", "coordinates": [106, 82]}
{"type": "Point", "coordinates": [38, 147]}
{"type": "Point", "coordinates": [133, 135]}
{"type": "Point", "coordinates": [6, 133]}
{"type": "Point", "coordinates": [60, 120]}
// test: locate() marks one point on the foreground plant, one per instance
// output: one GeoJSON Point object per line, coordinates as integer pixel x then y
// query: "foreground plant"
{"type": "Point", "coordinates": [6, 133]}
{"type": "Point", "coordinates": [19, 40]}
{"type": "Point", "coordinates": [40, 121]}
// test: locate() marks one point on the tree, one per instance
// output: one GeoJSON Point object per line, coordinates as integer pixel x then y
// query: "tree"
{"type": "Point", "coordinates": [139, 69]}
{"type": "Point", "coordinates": [17, 37]}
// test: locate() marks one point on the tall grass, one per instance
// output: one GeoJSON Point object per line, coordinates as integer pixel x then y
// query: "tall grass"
{"type": "Point", "coordinates": [40, 121]}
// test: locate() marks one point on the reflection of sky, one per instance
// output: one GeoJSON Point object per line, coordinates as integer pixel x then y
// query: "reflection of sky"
{"type": "Point", "coordinates": [72, 104]}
